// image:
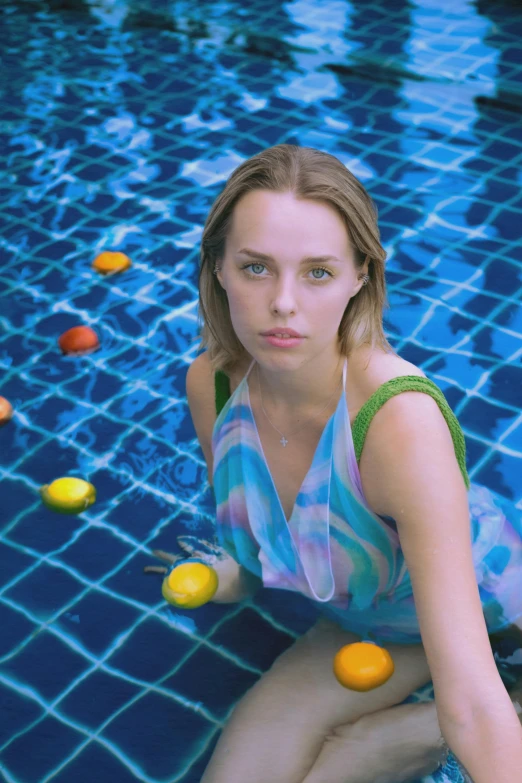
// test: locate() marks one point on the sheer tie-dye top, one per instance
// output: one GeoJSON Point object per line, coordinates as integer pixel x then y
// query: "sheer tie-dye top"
{"type": "Point", "coordinates": [334, 549]}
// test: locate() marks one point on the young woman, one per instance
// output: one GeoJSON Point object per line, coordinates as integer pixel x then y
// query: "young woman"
{"type": "Point", "coordinates": [339, 472]}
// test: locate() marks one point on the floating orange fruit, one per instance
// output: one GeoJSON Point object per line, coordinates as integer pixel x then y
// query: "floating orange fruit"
{"type": "Point", "coordinates": [111, 261]}
{"type": "Point", "coordinates": [363, 666]}
{"type": "Point", "coordinates": [6, 411]}
{"type": "Point", "coordinates": [79, 340]}
{"type": "Point", "coordinates": [190, 585]}
{"type": "Point", "coordinates": [68, 495]}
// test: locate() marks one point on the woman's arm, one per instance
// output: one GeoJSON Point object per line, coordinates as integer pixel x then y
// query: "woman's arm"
{"type": "Point", "coordinates": [421, 487]}
{"type": "Point", "coordinates": [236, 583]}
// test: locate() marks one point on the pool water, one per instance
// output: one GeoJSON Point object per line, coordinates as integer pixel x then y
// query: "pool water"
{"type": "Point", "coordinates": [120, 123]}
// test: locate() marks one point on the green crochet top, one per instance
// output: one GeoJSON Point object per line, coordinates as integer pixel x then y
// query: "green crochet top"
{"type": "Point", "coordinates": [371, 406]}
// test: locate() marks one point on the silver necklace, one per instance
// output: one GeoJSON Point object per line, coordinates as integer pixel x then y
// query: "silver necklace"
{"type": "Point", "coordinates": [283, 440]}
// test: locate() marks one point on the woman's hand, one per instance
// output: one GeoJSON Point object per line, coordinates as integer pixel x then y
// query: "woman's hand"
{"type": "Point", "coordinates": [228, 571]}
{"type": "Point", "coordinates": [235, 583]}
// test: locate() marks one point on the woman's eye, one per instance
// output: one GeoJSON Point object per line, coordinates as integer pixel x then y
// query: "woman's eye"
{"type": "Point", "coordinates": [315, 269]}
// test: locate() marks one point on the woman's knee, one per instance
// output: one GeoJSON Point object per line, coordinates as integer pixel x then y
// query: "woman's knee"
{"type": "Point", "coordinates": [278, 729]}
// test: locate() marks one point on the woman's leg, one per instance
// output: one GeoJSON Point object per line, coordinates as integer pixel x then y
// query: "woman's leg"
{"type": "Point", "coordinates": [278, 729]}
{"type": "Point", "coordinates": [396, 745]}
{"type": "Point", "coordinates": [402, 743]}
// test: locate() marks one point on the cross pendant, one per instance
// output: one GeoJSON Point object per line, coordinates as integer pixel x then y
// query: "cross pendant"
{"type": "Point", "coordinates": [283, 441]}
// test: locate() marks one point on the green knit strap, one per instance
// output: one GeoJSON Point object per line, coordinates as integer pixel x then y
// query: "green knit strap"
{"type": "Point", "coordinates": [409, 383]}
{"type": "Point", "coordinates": [222, 389]}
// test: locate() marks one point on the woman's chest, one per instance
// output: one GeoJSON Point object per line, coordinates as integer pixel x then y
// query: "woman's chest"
{"type": "Point", "coordinates": [289, 464]}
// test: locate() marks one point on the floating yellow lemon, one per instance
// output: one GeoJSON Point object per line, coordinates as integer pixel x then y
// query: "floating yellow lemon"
{"type": "Point", "coordinates": [190, 585]}
{"type": "Point", "coordinates": [111, 261]}
{"type": "Point", "coordinates": [363, 666]}
{"type": "Point", "coordinates": [68, 495]}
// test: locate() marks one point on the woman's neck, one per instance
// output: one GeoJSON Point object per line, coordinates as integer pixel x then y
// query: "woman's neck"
{"type": "Point", "coordinates": [298, 393]}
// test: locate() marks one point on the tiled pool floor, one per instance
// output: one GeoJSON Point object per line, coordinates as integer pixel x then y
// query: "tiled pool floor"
{"type": "Point", "coordinates": [120, 123]}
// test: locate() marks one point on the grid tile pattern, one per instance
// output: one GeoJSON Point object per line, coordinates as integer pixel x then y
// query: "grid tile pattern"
{"type": "Point", "coordinates": [121, 123]}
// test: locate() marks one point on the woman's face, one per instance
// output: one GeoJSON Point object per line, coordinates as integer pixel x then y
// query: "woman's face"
{"type": "Point", "coordinates": [279, 288]}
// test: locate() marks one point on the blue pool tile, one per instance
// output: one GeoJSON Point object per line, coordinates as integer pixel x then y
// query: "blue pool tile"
{"type": "Point", "coordinates": [511, 317]}
{"type": "Point", "coordinates": [184, 475]}
{"type": "Point", "coordinates": [133, 317]}
{"type": "Point", "coordinates": [13, 562]}
{"type": "Point", "coordinates": [109, 485]}
{"type": "Point", "coordinates": [99, 433]}
{"type": "Point", "coordinates": [20, 389]}
{"type": "Point", "coordinates": [245, 635]}
{"type": "Point", "coordinates": [18, 712]}
{"type": "Point", "coordinates": [195, 773]}
{"type": "Point", "coordinates": [46, 664]}
{"type": "Point", "coordinates": [134, 404]}
{"type": "Point", "coordinates": [140, 453]}
{"type": "Point", "coordinates": [52, 367]}
{"type": "Point", "coordinates": [177, 336]}
{"type": "Point", "coordinates": [97, 698]}
{"type": "Point", "coordinates": [29, 271]}
{"type": "Point", "coordinates": [44, 590]}
{"type": "Point", "coordinates": [138, 513]}
{"type": "Point", "coordinates": [137, 362]}
{"type": "Point", "coordinates": [95, 553]}
{"type": "Point", "coordinates": [94, 297]}
{"type": "Point", "coordinates": [170, 379]}
{"type": "Point", "coordinates": [514, 439]}
{"type": "Point", "coordinates": [95, 386]}
{"type": "Point", "coordinates": [17, 350]}
{"type": "Point", "coordinates": [504, 385]}
{"type": "Point", "coordinates": [51, 460]}
{"type": "Point", "coordinates": [211, 679]}
{"type": "Point", "coordinates": [16, 497]}
{"type": "Point", "coordinates": [151, 651]}
{"type": "Point", "coordinates": [502, 277]}
{"type": "Point", "coordinates": [502, 473]}
{"type": "Point", "coordinates": [291, 610]}
{"type": "Point", "coordinates": [466, 371]}
{"type": "Point", "coordinates": [23, 311]}
{"type": "Point", "coordinates": [15, 628]}
{"type": "Point", "coordinates": [57, 250]}
{"type": "Point", "coordinates": [160, 722]}
{"type": "Point", "coordinates": [445, 328]}
{"type": "Point", "coordinates": [417, 354]}
{"type": "Point", "coordinates": [96, 621]}
{"type": "Point", "coordinates": [50, 743]}
{"type": "Point", "coordinates": [490, 421]}
{"type": "Point", "coordinates": [55, 414]}
{"type": "Point", "coordinates": [475, 451]}
{"type": "Point", "coordinates": [96, 760]}
{"type": "Point", "coordinates": [56, 281]}
{"type": "Point", "coordinates": [174, 424]}
{"type": "Point", "coordinates": [497, 343]}
{"type": "Point", "coordinates": [44, 530]}
{"type": "Point", "coordinates": [130, 581]}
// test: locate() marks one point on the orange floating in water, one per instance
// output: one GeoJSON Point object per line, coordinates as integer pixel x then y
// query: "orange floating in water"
{"type": "Point", "coordinates": [363, 666]}
{"type": "Point", "coordinates": [111, 261]}
{"type": "Point", "coordinates": [6, 411]}
{"type": "Point", "coordinates": [79, 340]}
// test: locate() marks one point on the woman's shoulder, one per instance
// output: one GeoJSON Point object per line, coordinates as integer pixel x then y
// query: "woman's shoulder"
{"type": "Point", "coordinates": [369, 368]}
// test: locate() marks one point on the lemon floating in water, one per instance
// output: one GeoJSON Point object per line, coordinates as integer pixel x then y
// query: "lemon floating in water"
{"type": "Point", "coordinates": [363, 666]}
{"type": "Point", "coordinates": [190, 585]}
{"type": "Point", "coordinates": [68, 495]}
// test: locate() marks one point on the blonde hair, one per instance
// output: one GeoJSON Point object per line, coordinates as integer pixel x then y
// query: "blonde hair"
{"type": "Point", "coordinates": [308, 174]}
